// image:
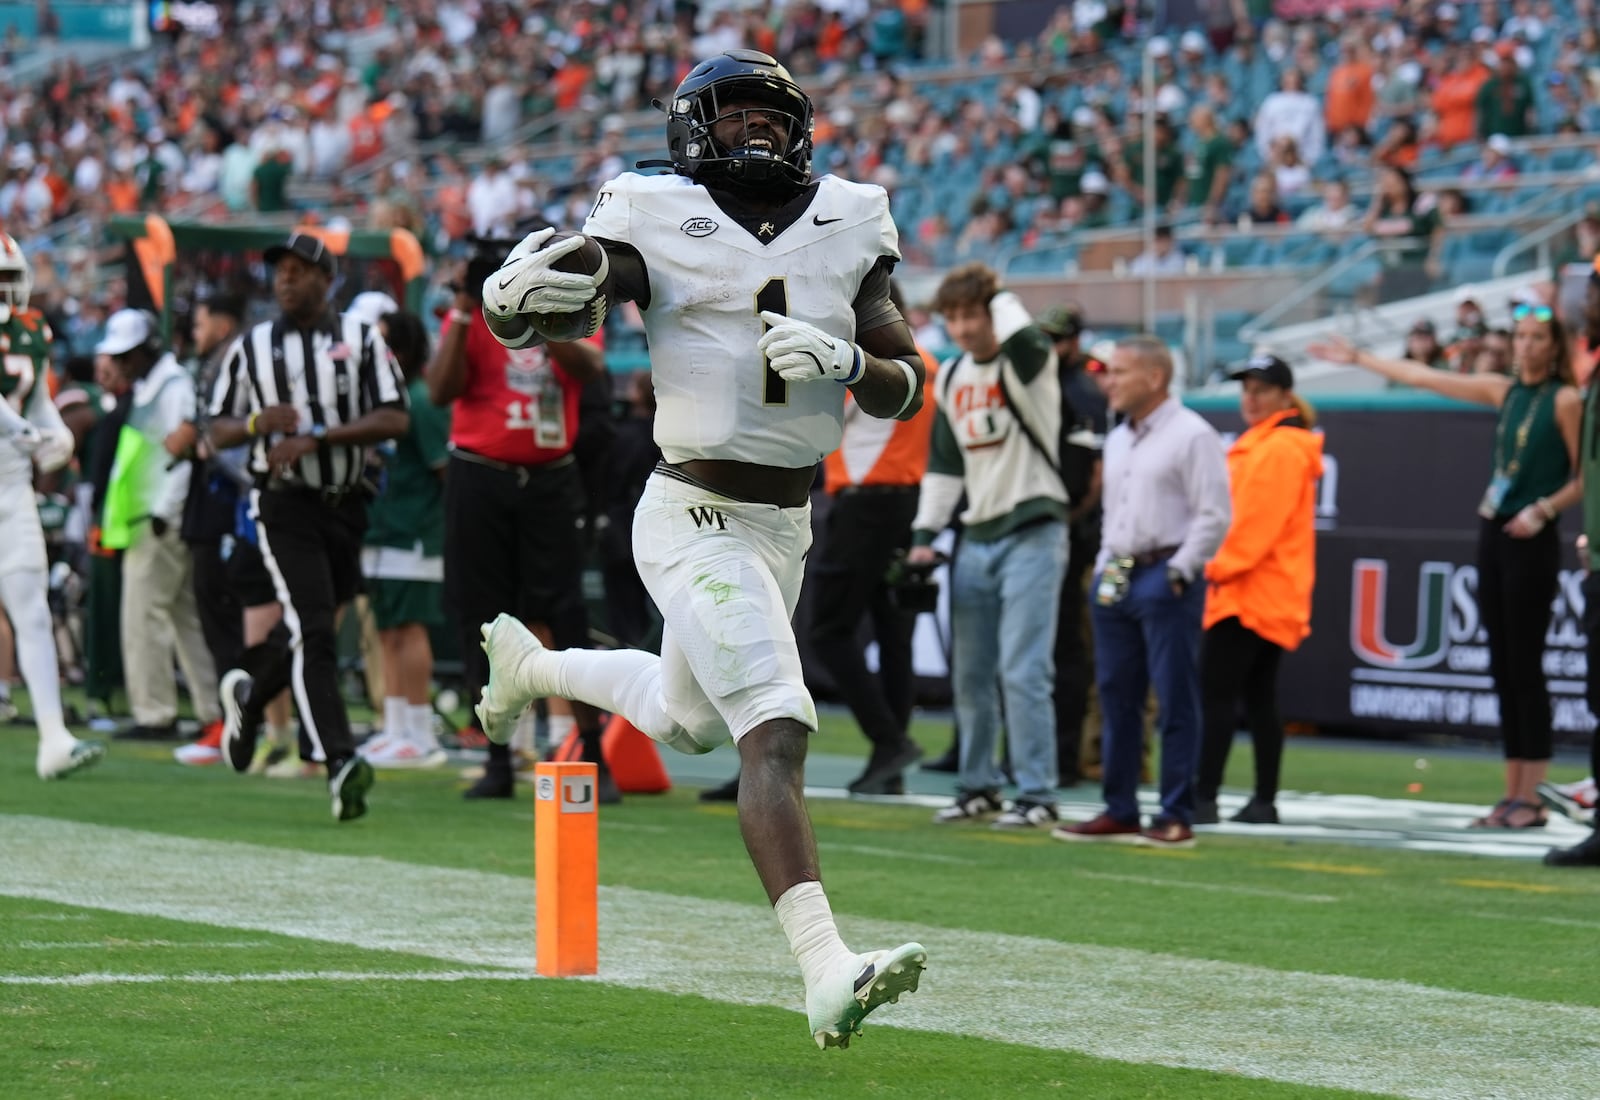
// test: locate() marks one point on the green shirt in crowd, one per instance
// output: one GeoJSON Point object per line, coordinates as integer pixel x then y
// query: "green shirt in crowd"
{"type": "Point", "coordinates": [409, 513]}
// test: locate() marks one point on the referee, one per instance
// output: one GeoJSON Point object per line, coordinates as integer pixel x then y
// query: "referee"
{"type": "Point", "coordinates": [309, 392]}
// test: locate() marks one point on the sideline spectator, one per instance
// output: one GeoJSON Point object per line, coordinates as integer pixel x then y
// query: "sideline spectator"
{"type": "Point", "coordinates": [403, 559]}
{"type": "Point", "coordinates": [1083, 432]}
{"type": "Point", "coordinates": [1519, 546]}
{"type": "Point", "coordinates": [1258, 605]}
{"type": "Point", "coordinates": [874, 478]}
{"type": "Point", "coordinates": [1163, 257]}
{"type": "Point", "coordinates": [1166, 511]}
{"type": "Point", "coordinates": [1586, 853]}
{"type": "Point", "coordinates": [144, 512]}
{"type": "Point", "coordinates": [513, 500]}
{"type": "Point", "coordinates": [995, 439]}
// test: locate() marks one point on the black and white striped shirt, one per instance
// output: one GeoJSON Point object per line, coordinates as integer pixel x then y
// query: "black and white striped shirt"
{"type": "Point", "coordinates": [333, 373]}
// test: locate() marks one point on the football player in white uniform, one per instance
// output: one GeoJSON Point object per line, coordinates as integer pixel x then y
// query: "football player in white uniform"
{"type": "Point", "coordinates": [31, 432]}
{"type": "Point", "coordinates": [764, 294]}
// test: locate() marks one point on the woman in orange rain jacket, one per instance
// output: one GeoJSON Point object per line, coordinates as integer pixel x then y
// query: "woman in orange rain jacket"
{"type": "Point", "coordinates": [1259, 602]}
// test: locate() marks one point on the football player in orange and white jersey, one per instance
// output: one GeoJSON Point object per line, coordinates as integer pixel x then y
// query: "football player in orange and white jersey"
{"type": "Point", "coordinates": [31, 432]}
{"type": "Point", "coordinates": [764, 293]}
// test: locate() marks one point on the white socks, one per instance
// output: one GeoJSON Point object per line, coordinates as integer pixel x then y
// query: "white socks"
{"type": "Point", "coordinates": [419, 726]}
{"type": "Point", "coordinates": [394, 717]}
{"type": "Point", "coordinates": [24, 598]}
{"type": "Point", "coordinates": [807, 919]}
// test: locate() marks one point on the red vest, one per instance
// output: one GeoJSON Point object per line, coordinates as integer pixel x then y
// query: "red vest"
{"type": "Point", "coordinates": [519, 406]}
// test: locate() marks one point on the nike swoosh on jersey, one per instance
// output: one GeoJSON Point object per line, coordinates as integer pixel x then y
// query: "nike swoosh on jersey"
{"type": "Point", "coordinates": [818, 219]}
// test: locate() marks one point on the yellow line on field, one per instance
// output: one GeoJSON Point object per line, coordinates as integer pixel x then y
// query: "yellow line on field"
{"type": "Point", "coordinates": [1328, 868]}
{"type": "Point", "coordinates": [1518, 887]}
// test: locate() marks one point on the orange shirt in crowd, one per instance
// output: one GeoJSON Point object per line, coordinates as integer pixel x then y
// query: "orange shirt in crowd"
{"type": "Point", "coordinates": [1455, 102]}
{"type": "Point", "coordinates": [876, 451]}
{"type": "Point", "coordinates": [123, 195]}
{"type": "Point", "coordinates": [1350, 96]}
{"type": "Point", "coordinates": [1267, 565]}
{"type": "Point", "coordinates": [569, 82]}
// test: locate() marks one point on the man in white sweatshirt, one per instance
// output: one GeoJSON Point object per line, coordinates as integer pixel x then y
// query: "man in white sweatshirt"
{"type": "Point", "coordinates": [996, 437]}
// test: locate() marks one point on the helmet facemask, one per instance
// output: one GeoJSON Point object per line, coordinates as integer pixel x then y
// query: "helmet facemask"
{"type": "Point", "coordinates": [749, 167]}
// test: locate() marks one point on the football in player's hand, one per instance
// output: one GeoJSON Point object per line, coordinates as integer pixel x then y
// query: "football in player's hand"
{"type": "Point", "coordinates": [585, 321]}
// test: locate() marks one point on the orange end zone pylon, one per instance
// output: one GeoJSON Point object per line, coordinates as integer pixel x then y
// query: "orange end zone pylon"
{"type": "Point", "coordinates": [566, 869]}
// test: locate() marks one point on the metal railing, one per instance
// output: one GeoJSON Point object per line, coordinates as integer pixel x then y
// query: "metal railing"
{"type": "Point", "coordinates": [1539, 239]}
{"type": "Point", "coordinates": [1251, 330]}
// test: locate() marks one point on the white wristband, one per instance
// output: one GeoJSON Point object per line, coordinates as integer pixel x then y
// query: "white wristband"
{"type": "Point", "coordinates": [911, 387]}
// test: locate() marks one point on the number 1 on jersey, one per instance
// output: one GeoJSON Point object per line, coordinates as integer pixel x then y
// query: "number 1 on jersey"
{"type": "Point", "coordinates": [774, 296]}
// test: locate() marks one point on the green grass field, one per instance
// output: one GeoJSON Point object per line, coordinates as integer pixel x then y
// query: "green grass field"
{"type": "Point", "coordinates": [169, 931]}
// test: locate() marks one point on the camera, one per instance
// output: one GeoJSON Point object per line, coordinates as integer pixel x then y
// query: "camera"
{"type": "Point", "coordinates": [912, 588]}
{"type": "Point", "coordinates": [489, 253]}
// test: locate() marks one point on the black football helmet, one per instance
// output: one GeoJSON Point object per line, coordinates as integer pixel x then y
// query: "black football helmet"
{"type": "Point", "coordinates": [739, 75]}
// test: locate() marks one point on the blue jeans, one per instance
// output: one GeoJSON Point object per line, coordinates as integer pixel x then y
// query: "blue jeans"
{"type": "Point", "coordinates": [1151, 634]}
{"type": "Point", "coordinates": [1003, 599]}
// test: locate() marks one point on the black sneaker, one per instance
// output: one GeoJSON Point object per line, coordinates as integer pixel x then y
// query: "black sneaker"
{"type": "Point", "coordinates": [885, 767]}
{"type": "Point", "coordinates": [605, 788]}
{"type": "Point", "coordinates": [240, 728]}
{"type": "Point", "coordinates": [1257, 812]}
{"type": "Point", "coordinates": [727, 792]}
{"type": "Point", "coordinates": [349, 786]}
{"type": "Point", "coordinates": [970, 806]}
{"type": "Point", "coordinates": [1583, 854]}
{"type": "Point", "coordinates": [950, 763]}
{"type": "Point", "coordinates": [1205, 812]}
{"type": "Point", "coordinates": [497, 781]}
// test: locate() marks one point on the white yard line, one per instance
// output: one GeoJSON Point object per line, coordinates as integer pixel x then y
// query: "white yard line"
{"type": "Point", "coordinates": [1391, 1037]}
{"type": "Point", "coordinates": [276, 976]}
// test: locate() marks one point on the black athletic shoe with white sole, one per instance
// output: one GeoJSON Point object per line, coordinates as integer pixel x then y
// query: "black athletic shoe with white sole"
{"type": "Point", "coordinates": [239, 729]}
{"type": "Point", "coordinates": [349, 786]}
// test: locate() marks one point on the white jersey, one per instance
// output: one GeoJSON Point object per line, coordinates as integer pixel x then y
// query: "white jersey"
{"type": "Point", "coordinates": [710, 279]}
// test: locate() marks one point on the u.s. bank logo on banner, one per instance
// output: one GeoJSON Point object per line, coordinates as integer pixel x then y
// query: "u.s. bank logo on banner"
{"type": "Point", "coordinates": [546, 788]}
{"type": "Point", "coordinates": [577, 794]}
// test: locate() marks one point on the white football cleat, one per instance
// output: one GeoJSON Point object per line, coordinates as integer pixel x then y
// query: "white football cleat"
{"type": "Point", "coordinates": [58, 763]}
{"type": "Point", "coordinates": [513, 651]}
{"type": "Point", "coordinates": [836, 1009]}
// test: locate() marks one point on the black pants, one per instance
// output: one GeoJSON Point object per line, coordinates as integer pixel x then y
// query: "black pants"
{"type": "Point", "coordinates": [1074, 669]}
{"type": "Point", "coordinates": [1591, 634]}
{"type": "Point", "coordinates": [865, 528]}
{"type": "Point", "coordinates": [312, 549]}
{"type": "Point", "coordinates": [512, 543]}
{"type": "Point", "coordinates": [221, 617]}
{"type": "Point", "coordinates": [1516, 585]}
{"type": "Point", "coordinates": [1238, 664]}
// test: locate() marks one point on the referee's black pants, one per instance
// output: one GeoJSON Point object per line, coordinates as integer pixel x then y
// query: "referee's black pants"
{"type": "Point", "coordinates": [311, 546]}
{"type": "Point", "coordinates": [866, 526]}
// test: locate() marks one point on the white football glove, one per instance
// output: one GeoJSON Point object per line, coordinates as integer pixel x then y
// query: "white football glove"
{"type": "Point", "coordinates": [528, 282]}
{"type": "Point", "coordinates": [802, 352]}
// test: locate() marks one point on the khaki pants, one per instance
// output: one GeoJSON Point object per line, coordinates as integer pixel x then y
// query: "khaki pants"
{"type": "Point", "coordinates": [158, 616]}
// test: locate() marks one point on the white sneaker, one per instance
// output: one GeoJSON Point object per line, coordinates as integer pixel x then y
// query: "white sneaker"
{"type": "Point", "coordinates": [378, 744]}
{"type": "Point", "coordinates": [197, 755]}
{"type": "Point", "coordinates": [58, 763]}
{"type": "Point", "coordinates": [396, 752]}
{"type": "Point", "coordinates": [513, 651]}
{"type": "Point", "coordinates": [835, 1010]}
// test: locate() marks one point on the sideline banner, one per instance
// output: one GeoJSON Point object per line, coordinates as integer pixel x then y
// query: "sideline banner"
{"type": "Point", "coordinates": [1397, 642]}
